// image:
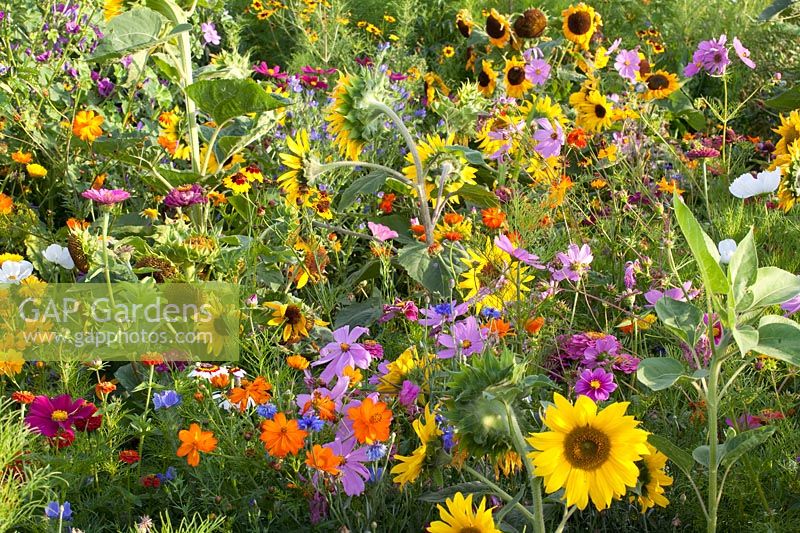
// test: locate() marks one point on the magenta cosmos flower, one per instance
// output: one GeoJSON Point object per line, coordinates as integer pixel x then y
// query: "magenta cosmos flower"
{"type": "Point", "coordinates": [549, 138]}
{"type": "Point", "coordinates": [597, 384]}
{"type": "Point", "coordinates": [106, 196]}
{"type": "Point", "coordinates": [50, 416]}
{"type": "Point", "coordinates": [467, 338]}
{"type": "Point", "coordinates": [711, 56]}
{"type": "Point", "coordinates": [574, 263]}
{"type": "Point", "coordinates": [344, 351]}
{"type": "Point", "coordinates": [505, 244]}
{"type": "Point", "coordinates": [185, 196]}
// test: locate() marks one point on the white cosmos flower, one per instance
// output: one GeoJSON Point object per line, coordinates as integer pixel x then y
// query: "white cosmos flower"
{"type": "Point", "coordinates": [15, 271]}
{"type": "Point", "coordinates": [747, 186]}
{"type": "Point", "coordinates": [726, 250]}
{"type": "Point", "coordinates": [60, 256]}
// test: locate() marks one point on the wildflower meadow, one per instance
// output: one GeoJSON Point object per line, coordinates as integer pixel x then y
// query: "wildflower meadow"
{"type": "Point", "coordinates": [446, 266]}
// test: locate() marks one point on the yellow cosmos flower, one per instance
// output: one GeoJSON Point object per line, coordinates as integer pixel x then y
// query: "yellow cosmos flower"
{"type": "Point", "coordinates": [36, 170]}
{"type": "Point", "coordinates": [86, 125]}
{"type": "Point", "coordinates": [653, 479]}
{"type": "Point", "coordinates": [580, 23]}
{"type": "Point", "coordinates": [410, 467]}
{"type": "Point", "coordinates": [590, 454]}
{"type": "Point", "coordinates": [460, 516]}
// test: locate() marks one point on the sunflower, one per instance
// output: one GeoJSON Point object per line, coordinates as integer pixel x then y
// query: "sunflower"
{"type": "Point", "coordinates": [409, 467]}
{"type": "Point", "coordinates": [112, 8]}
{"type": "Point", "coordinates": [348, 141]}
{"type": "Point", "coordinates": [436, 149]}
{"type": "Point", "coordinates": [487, 79]}
{"type": "Point", "coordinates": [517, 83]}
{"type": "Point", "coordinates": [789, 130]}
{"type": "Point", "coordinates": [221, 327]}
{"type": "Point", "coordinates": [289, 316]}
{"type": "Point", "coordinates": [589, 454]}
{"type": "Point", "coordinates": [530, 24]}
{"type": "Point", "coordinates": [594, 111]}
{"type": "Point", "coordinates": [652, 479]}
{"type": "Point", "coordinates": [580, 23]}
{"type": "Point", "coordinates": [660, 84]}
{"type": "Point", "coordinates": [464, 23]}
{"type": "Point", "coordinates": [498, 29]}
{"type": "Point", "coordinates": [294, 181]}
{"type": "Point", "coordinates": [789, 188]}
{"type": "Point", "coordinates": [460, 516]}
{"type": "Point", "coordinates": [486, 269]}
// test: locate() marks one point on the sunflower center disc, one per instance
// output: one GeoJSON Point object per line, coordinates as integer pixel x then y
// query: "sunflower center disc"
{"type": "Point", "coordinates": [579, 23]}
{"type": "Point", "coordinates": [587, 448]}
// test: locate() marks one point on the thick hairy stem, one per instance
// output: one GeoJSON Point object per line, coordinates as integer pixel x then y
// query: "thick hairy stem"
{"type": "Point", "coordinates": [535, 482]}
{"type": "Point", "coordinates": [185, 49]}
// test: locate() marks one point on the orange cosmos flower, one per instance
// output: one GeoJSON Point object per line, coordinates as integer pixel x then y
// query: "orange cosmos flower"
{"type": "Point", "coordinates": [298, 362]}
{"type": "Point", "coordinates": [323, 405]}
{"type": "Point", "coordinates": [86, 125]}
{"type": "Point", "coordinates": [23, 396]}
{"type": "Point", "coordinates": [577, 138]}
{"type": "Point", "coordinates": [23, 158]}
{"type": "Point", "coordinates": [451, 219]}
{"type": "Point", "coordinates": [282, 437]}
{"type": "Point", "coordinates": [557, 191]}
{"type": "Point", "coordinates": [194, 441]}
{"type": "Point", "coordinates": [6, 204]}
{"type": "Point", "coordinates": [499, 327]}
{"type": "Point", "coordinates": [324, 459]}
{"type": "Point", "coordinates": [370, 421]}
{"type": "Point", "coordinates": [534, 325]}
{"type": "Point", "coordinates": [493, 217]}
{"type": "Point", "coordinates": [257, 390]}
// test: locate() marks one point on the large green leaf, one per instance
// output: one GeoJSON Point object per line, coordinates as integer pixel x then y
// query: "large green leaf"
{"type": "Point", "coordinates": [746, 338]}
{"type": "Point", "coordinates": [786, 101]}
{"type": "Point", "coordinates": [773, 10]}
{"type": "Point", "coordinates": [226, 99]}
{"type": "Point", "coordinates": [369, 184]}
{"type": "Point", "coordinates": [360, 314]}
{"type": "Point", "coordinates": [480, 196]}
{"type": "Point", "coordinates": [779, 337]}
{"type": "Point", "coordinates": [429, 271]}
{"type": "Point", "coordinates": [773, 286]}
{"type": "Point", "coordinates": [743, 267]}
{"type": "Point", "coordinates": [744, 442]}
{"type": "Point", "coordinates": [659, 373]}
{"type": "Point", "coordinates": [132, 31]}
{"type": "Point", "coordinates": [682, 318]}
{"type": "Point", "coordinates": [703, 249]}
{"type": "Point", "coordinates": [677, 455]}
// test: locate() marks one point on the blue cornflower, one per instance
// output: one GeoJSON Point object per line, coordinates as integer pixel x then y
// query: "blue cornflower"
{"type": "Point", "coordinates": [490, 312]}
{"type": "Point", "coordinates": [267, 410]}
{"type": "Point", "coordinates": [166, 399]}
{"type": "Point", "coordinates": [376, 451]}
{"type": "Point", "coordinates": [55, 511]}
{"type": "Point", "coordinates": [310, 422]}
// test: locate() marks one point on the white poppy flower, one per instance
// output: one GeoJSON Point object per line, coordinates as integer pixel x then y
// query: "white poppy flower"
{"type": "Point", "coordinates": [726, 250]}
{"type": "Point", "coordinates": [15, 271]}
{"type": "Point", "coordinates": [747, 185]}
{"type": "Point", "coordinates": [60, 256]}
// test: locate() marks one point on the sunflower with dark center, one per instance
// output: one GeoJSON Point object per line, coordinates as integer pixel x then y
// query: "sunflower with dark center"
{"type": "Point", "coordinates": [594, 110]}
{"type": "Point", "coordinates": [660, 84]}
{"type": "Point", "coordinates": [464, 23]}
{"type": "Point", "coordinates": [789, 187]}
{"type": "Point", "coordinates": [530, 24]}
{"type": "Point", "coordinates": [590, 454]}
{"type": "Point", "coordinates": [487, 79]}
{"type": "Point", "coordinates": [294, 181]}
{"type": "Point", "coordinates": [517, 83]}
{"type": "Point", "coordinates": [497, 29]}
{"type": "Point", "coordinates": [291, 319]}
{"type": "Point", "coordinates": [580, 23]}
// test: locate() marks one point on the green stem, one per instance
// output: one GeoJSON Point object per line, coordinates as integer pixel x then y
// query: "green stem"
{"type": "Point", "coordinates": [185, 51]}
{"type": "Point", "coordinates": [106, 220]}
{"type": "Point", "coordinates": [339, 164]}
{"type": "Point", "coordinates": [712, 400]}
{"type": "Point", "coordinates": [567, 513]}
{"type": "Point", "coordinates": [501, 493]}
{"type": "Point", "coordinates": [535, 482]}
{"type": "Point", "coordinates": [705, 193]}
{"type": "Point", "coordinates": [146, 410]}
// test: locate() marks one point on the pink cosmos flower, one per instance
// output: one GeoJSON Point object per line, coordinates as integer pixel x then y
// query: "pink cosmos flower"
{"type": "Point", "coordinates": [743, 53]}
{"type": "Point", "coordinates": [353, 472]}
{"type": "Point", "coordinates": [537, 70]}
{"type": "Point", "coordinates": [408, 394]}
{"type": "Point", "coordinates": [574, 263]}
{"type": "Point", "coordinates": [381, 232]}
{"type": "Point", "coordinates": [627, 64]}
{"type": "Point", "coordinates": [550, 138]}
{"type": "Point", "coordinates": [51, 416]}
{"type": "Point", "coordinates": [344, 351]}
{"type": "Point", "coordinates": [505, 244]}
{"type": "Point", "coordinates": [679, 293]}
{"type": "Point", "coordinates": [306, 401]}
{"type": "Point", "coordinates": [467, 338]}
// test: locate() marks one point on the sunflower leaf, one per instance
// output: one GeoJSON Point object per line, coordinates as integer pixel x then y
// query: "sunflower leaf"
{"type": "Point", "coordinates": [659, 373]}
{"type": "Point", "coordinates": [742, 443]}
{"type": "Point", "coordinates": [703, 249]}
{"type": "Point", "coordinates": [779, 337]}
{"type": "Point", "coordinates": [677, 455]}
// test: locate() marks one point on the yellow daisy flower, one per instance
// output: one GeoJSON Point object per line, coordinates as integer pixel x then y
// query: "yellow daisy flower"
{"type": "Point", "coordinates": [460, 516]}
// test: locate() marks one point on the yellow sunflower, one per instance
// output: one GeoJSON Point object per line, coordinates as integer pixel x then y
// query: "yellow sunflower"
{"type": "Point", "coordinates": [516, 82]}
{"type": "Point", "coordinates": [461, 516]}
{"type": "Point", "coordinates": [579, 24]}
{"type": "Point", "coordinates": [349, 145]}
{"type": "Point", "coordinates": [789, 188]}
{"type": "Point", "coordinates": [435, 150]}
{"type": "Point", "coordinates": [498, 29]}
{"type": "Point", "coordinates": [112, 8]}
{"type": "Point", "coordinates": [588, 453]}
{"type": "Point", "coordinates": [493, 269]}
{"type": "Point", "coordinates": [660, 84]}
{"type": "Point", "coordinates": [652, 479]}
{"type": "Point", "coordinates": [294, 181]}
{"type": "Point", "coordinates": [487, 79]}
{"type": "Point", "coordinates": [789, 130]}
{"type": "Point", "coordinates": [291, 318]}
{"type": "Point", "coordinates": [464, 23]}
{"type": "Point", "coordinates": [594, 110]}
{"type": "Point", "coordinates": [409, 467]}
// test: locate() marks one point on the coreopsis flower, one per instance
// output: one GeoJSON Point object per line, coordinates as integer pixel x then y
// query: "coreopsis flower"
{"type": "Point", "coordinates": [86, 125]}
{"type": "Point", "coordinates": [580, 23]}
{"type": "Point", "coordinates": [282, 437]}
{"type": "Point", "coordinates": [461, 515]}
{"type": "Point", "coordinates": [590, 454]}
{"type": "Point", "coordinates": [371, 421]}
{"type": "Point", "coordinates": [193, 441]}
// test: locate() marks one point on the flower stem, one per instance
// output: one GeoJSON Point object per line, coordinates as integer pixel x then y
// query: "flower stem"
{"type": "Point", "coordinates": [535, 482]}
{"type": "Point", "coordinates": [106, 221]}
{"type": "Point", "coordinates": [713, 445]}
{"type": "Point", "coordinates": [501, 493]}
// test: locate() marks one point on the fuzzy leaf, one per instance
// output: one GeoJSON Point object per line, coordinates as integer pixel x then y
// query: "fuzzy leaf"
{"type": "Point", "coordinates": [703, 249]}
{"type": "Point", "coordinates": [744, 442]}
{"type": "Point", "coordinates": [677, 455]}
{"type": "Point", "coordinates": [225, 99]}
{"type": "Point", "coordinates": [659, 373]}
{"type": "Point", "coordinates": [743, 267]}
{"type": "Point", "coordinates": [779, 337]}
{"type": "Point", "coordinates": [773, 286]}
{"type": "Point", "coordinates": [369, 184]}
{"type": "Point", "coordinates": [682, 318]}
